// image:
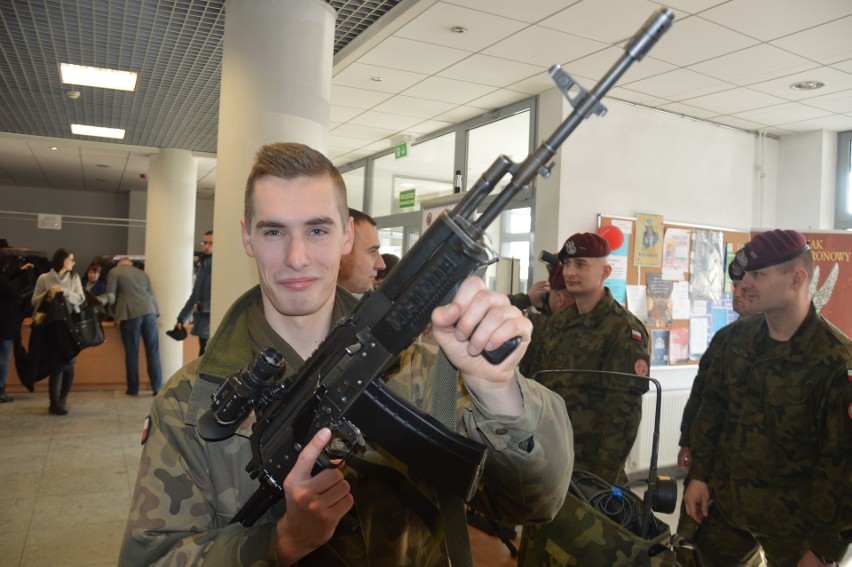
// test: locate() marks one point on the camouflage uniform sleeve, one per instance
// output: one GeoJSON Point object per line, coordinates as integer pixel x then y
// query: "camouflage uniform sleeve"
{"type": "Point", "coordinates": [529, 459]}
{"type": "Point", "coordinates": [626, 351]}
{"type": "Point", "coordinates": [831, 506]}
{"type": "Point", "coordinates": [175, 516]}
{"type": "Point", "coordinates": [690, 411]}
{"type": "Point", "coordinates": [707, 425]}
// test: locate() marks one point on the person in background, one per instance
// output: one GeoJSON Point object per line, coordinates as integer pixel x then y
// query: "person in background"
{"type": "Point", "coordinates": [296, 227]}
{"type": "Point", "coordinates": [686, 526]}
{"type": "Point", "coordinates": [358, 268]}
{"type": "Point", "coordinates": [12, 281]}
{"type": "Point", "coordinates": [95, 287]}
{"type": "Point", "coordinates": [198, 304]}
{"type": "Point", "coordinates": [390, 261]}
{"type": "Point", "coordinates": [548, 296]}
{"type": "Point", "coordinates": [772, 443]}
{"type": "Point", "coordinates": [593, 333]}
{"type": "Point", "coordinates": [60, 279]}
{"type": "Point", "coordinates": [129, 290]}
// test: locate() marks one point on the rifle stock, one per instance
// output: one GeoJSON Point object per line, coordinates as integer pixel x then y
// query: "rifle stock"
{"type": "Point", "coordinates": [337, 387]}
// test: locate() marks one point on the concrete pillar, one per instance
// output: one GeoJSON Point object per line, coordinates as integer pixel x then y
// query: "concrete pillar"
{"type": "Point", "coordinates": [169, 243]}
{"type": "Point", "coordinates": [276, 84]}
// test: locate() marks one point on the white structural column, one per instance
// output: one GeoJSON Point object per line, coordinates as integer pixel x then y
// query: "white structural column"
{"type": "Point", "coordinates": [169, 243]}
{"type": "Point", "coordinates": [276, 84]}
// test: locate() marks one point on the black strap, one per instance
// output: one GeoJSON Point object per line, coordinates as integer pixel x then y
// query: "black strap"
{"type": "Point", "coordinates": [452, 507]}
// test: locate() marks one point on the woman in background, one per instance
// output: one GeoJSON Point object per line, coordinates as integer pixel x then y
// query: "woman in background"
{"type": "Point", "coordinates": [60, 279]}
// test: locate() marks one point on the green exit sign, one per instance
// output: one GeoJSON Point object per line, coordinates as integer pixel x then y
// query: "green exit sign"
{"type": "Point", "coordinates": [406, 199]}
{"type": "Point", "coordinates": [400, 150]}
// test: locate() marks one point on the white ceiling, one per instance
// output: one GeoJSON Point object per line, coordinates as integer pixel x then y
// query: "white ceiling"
{"type": "Point", "coordinates": [731, 62]}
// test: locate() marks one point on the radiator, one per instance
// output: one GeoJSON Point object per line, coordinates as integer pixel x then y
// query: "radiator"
{"type": "Point", "coordinates": [671, 412]}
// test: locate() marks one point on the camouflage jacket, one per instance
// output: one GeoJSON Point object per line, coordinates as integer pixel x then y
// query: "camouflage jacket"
{"type": "Point", "coordinates": [188, 489]}
{"type": "Point", "coordinates": [690, 410]}
{"type": "Point", "coordinates": [773, 437]}
{"type": "Point", "coordinates": [605, 411]}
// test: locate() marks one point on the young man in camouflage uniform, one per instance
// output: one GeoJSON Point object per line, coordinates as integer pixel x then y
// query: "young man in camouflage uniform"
{"type": "Point", "coordinates": [297, 226]}
{"type": "Point", "coordinates": [686, 526]}
{"type": "Point", "coordinates": [595, 333]}
{"type": "Point", "coordinates": [772, 444]}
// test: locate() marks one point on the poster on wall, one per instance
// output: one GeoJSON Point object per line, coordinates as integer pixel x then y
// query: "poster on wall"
{"type": "Point", "coordinates": [831, 288]}
{"type": "Point", "coordinates": [707, 273]}
{"type": "Point", "coordinates": [648, 249]}
{"type": "Point", "coordinates": [659, 296]}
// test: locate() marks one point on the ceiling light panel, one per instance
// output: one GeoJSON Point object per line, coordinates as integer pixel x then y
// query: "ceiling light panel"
{"type": "Point", "coordinates": [97, 77]}
{"type": "Point", "coordinates": [97, 131]}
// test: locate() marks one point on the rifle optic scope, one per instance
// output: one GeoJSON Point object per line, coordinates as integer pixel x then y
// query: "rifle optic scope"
{"type": "Point", "coordinates": [235, 398]}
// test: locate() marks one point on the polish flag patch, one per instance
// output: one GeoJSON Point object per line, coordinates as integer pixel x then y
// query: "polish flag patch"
{"type": "Point", "coordinates": [849, 375]}
{"type": "Point", "coordinates": [637, 336]}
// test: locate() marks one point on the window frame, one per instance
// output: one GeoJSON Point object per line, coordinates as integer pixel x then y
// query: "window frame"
{"type": "Point", "coordinates": [842, 214]}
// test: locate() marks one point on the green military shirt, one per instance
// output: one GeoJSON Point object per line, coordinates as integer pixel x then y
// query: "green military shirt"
{"type": "Point", "coordinates": [605, 411]}
{"type": "Point", "coordinates": [188, 489]}
{"type": "Point", "coordinates": [773, 437]}
{"type": "Point", "coordinates": [690, 410]}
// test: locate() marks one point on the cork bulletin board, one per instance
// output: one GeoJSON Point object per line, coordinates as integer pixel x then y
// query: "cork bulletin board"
{"type": "Point", "coordinates": [685, 297]}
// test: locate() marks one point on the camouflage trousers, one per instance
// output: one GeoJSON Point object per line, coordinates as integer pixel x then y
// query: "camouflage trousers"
{"type": "Point", "coordinates": [722, 545]}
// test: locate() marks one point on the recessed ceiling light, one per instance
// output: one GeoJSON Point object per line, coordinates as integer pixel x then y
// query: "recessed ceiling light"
{"type": "Point", "coordinates": [54, 148]}
{"type": "Point", "coordinates": [99, 131]}
{"type": "Point", "coordinates": [101, 165]}
{"type": "Point", "coordinates": [377, 79]}
{"type": "Point", "coordinates": [807, 85]}
{"type": "Point", "coordinates": [98, 77]}
{"type": "Point", "coordinates": [459, 29]}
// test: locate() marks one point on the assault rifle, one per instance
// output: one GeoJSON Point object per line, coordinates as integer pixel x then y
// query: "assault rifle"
{"type": "Point", "coordinates": [338, 386]}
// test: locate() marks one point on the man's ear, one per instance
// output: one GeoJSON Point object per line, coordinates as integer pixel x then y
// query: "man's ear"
{"type": "Point", "coordinates": [246, 238]}
{"type": "Point", "coordinates": [800, 278]}
{"type": "Point", "coordinates": [607, 270]}
{"type": "Point", "coordinates": [349, 236]}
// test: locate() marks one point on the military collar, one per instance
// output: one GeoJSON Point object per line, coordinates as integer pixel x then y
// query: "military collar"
{"type": "Point", "coordinates": [794, 350]}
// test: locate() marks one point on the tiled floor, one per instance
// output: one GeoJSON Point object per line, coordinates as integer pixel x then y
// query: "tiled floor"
{"type": "Point", "coordinates": [66, 481]}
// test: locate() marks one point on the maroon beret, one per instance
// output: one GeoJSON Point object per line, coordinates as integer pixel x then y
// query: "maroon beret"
{"type": "Point", "coordinates": [584, 245]}
{"type": "Point", "coordinates": [555, 277]}
{"type": "Point", "coordinates": [770, 248]}
{"type": "Point", "coordinates": [735, 271]}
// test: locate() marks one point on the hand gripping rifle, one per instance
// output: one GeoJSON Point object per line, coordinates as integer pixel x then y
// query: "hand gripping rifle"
{"type": "Point", "coordinates": [337, 387]}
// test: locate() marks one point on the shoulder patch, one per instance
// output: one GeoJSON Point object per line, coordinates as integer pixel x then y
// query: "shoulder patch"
{"type": "Point", "coordinates": [849, 375]}
{"type": "Point", "coordinates": [146, 429]}
{"type": "Point", "coordinates": [640, 367]}
{"type": "Point", "coordinates": [636, 335]}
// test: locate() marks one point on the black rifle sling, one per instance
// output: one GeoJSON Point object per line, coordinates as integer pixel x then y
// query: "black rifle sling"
{"type": "Point", "coordinates": [444, 392]}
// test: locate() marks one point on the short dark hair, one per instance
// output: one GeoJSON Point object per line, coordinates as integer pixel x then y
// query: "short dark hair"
{"type": "Point", "coordinates": [361, 217]}
{"type": "Point", "coordinates": [208, 233]}
{"type": "Point", "coordinates": [94, 268]}
{"type": "Point", "coordinates": [289, 161]}
{"type": "Point", "coordinates": [59, 258]}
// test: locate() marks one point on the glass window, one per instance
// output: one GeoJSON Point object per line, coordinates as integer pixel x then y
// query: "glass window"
{"type": "Point", "coordinates": [509, 136]}
{"type": "Point", "coordinates": [391, 240]}
{"type": "Point", "coordinates": [354, 179]}
{"type": "Point", "coordinates": [427, 170]}
{"type": "Point", "coordinates": [510, 237]}
{"type": "Point", "coordinates": [843, 204]}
